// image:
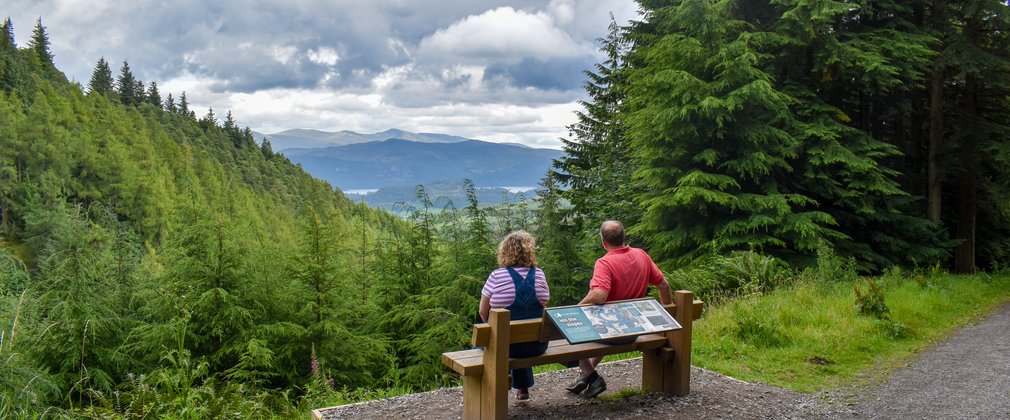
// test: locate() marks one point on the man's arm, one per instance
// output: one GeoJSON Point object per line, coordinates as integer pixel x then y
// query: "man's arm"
{"type": "Point", "coordinates": [665, 296]}
{"type": "Point", "coordinates": [598, 296]}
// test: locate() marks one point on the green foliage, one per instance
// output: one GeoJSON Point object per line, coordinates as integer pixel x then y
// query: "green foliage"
{"type": "Point", "coordinates": [736, 274]}
{"type": "Point", "coordinates": [871, 301]}
{"type": "Point", "coordinates": [101, 79]}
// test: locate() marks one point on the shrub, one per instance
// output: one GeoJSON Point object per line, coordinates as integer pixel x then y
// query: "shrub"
{"type": "Point", "coordinates": [830, 267]}
{"type": "Point", "coordinates": [871, 302]}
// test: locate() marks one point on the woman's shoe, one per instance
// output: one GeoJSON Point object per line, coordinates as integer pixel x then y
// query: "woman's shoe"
{"type": "Point", "coordinates": [523, 394]}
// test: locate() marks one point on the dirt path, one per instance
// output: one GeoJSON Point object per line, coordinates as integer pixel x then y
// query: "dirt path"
{"type": "Point", "coordinates": [967, 376]}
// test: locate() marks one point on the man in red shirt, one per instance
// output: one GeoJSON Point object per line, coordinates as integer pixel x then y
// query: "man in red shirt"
{"type": "Point", "coordinates": [623, 273]}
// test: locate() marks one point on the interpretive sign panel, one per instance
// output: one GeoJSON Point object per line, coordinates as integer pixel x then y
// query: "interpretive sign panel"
{"type": "Point", "coordinates": [580, 324]}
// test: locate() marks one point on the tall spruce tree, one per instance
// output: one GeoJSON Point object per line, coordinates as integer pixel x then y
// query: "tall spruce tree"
{"type": "Point", "coordinates": [101, 79]}
{"type": "Point", "coordinates": [712, 134]}
{"type": "Point", "coordinates": [127, 86]}
{"type": "Point", "coordinates": [744, 141]}
{"type": "Point", "coordinates": [7, 44]}
{"type": "Point", "coordinates": [595, 172]}
{"type": "Point", "coordinates": [184, 105]}
{"type": "Point", "coordinates": [153, 96]}
{"type": "Point", "coordinates": [169, 104]}
{"type": "Point", "coordinates": [39, 45]}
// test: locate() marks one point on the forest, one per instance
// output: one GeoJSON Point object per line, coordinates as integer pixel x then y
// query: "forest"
{"type": "Point", "coordinates": [157, 263]}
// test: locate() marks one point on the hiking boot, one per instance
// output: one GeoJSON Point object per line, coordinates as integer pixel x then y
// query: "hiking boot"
{"type": "Point", "coordinates": [523, 394]}
{"type": "Point", "coordinates": [579, 384]}
{"type": "Point", "coordinates": [596, 387]}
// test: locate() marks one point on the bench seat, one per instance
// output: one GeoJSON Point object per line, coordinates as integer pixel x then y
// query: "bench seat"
{"type": "Point", "coordinates": [471, 362]}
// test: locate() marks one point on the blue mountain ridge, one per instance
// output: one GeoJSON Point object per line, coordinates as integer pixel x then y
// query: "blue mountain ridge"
{"type": "Point", "coordinates": [398, 162]}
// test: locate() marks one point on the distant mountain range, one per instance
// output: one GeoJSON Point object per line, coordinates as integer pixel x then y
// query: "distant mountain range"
{"type": "Point", "coordinates": [352, 160]}
{"type": "Point", "coordinates": [309, 139]}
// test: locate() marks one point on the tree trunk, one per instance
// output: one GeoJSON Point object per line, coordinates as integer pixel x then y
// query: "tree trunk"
{"type": "Point", "coordinates": [967, 195]}
{"type": "Point", "coordinates": [933, 180]}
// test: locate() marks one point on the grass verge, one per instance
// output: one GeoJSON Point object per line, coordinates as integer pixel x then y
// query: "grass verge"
{"type": "Point", "coordinates": [809, 336]}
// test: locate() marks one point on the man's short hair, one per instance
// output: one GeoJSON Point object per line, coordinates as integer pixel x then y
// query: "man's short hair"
{"type": "Point", "coordinates": [612, 233]}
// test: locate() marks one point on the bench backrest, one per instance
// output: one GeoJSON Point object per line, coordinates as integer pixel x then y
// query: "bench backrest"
{"type": "Point", "coordinates": [542, 329]}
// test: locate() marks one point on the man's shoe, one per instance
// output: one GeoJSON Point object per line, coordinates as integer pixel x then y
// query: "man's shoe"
{"type": "Point", "coordinates": [579, 384]}
{"type": "Point", "coordinates": [596, 387]}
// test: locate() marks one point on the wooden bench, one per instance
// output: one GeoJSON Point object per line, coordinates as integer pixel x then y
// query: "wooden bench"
{"type": "Point", "coordinates": [666, 357]}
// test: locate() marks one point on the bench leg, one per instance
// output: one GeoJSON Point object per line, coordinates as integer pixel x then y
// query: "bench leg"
{"type": "Point", "coordinates": [471, 397]}
{"type": "Point", "coordinates": [652, 371]}
{"type": "Point", "coordinates": [679, 382]}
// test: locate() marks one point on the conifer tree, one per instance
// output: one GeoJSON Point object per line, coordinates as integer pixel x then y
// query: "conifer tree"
{"type": "Point", "coordinates": [153, 96]}
{"type": "Point", "coordinates": [711, 133]}
{"type": "Point", "coordinates": [127, 86]}
{"type": "Point", "coordinates": [209, 120]}
{"type": "Point", "coordinates": [745, 143]}
{"type": "Point", "coordinates": [101, 79]}
{"type": "Point", "coordinates": [7, 44]}
{"type": "Point", "coordinates": [39, 44]}
{"type": "Point", "coordinates": [266, 148]}
{"type": "Point", "coordinates": [169, 105]}
{"type": "Point", "coordinates": [8, 53]}
{"type": "Point", "coordinates": [184, 105]}
{"type": "Point", "coordinates": [597, 165]}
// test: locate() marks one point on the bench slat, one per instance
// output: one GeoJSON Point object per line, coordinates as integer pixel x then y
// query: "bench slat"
{"type": "Point", "coordinates": [470, 362]}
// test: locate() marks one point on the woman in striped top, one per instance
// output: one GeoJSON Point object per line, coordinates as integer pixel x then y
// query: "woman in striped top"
{"type": "Point", "coordinates": [519, 286]}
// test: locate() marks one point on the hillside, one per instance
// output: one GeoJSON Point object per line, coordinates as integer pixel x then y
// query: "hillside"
{"type": "Point", "coordinates": [183, 258]}
{"type": "Point", "coordinates": [398, 162]}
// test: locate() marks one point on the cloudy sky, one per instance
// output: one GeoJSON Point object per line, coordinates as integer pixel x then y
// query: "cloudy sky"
{"type": "Point", "coordinates": [499, 70]}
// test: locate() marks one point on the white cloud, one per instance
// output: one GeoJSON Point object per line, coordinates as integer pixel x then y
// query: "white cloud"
{"type": "Point", "coordinates": [324, 55]}
{"type": "Point", "coordinates": [504, 34]}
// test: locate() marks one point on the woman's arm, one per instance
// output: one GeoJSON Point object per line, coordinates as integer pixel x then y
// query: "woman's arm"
{"type": "Point", "coordinates": [485, 307]}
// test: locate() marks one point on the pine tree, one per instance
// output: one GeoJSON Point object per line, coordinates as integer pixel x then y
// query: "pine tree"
{"type": "Point", "coordinates": [597, 165]}
{"type": "Point", "coordinates": [209, 120]}
{"type": "Point", "coordinates": [741, 117]}
{"type": "Point", "coordinates": [7, 44]}
{"type": "Point", "coordinates": [127, 86]}
{"type": "Point", "coordinates": [153, 96]}
{"type": "Point", "coordinates": [712, 135]}
{"type": "Point", "coordinates": [169, 105]}
{"type": "Point", "coordinates": [101, 79]}
{"type": "Point", "coordinates": [8, 52]}
{"type": "Point", "coordinates": [266, 148]}
{"type": "Point", "coordinates": [39, 44]}
{"type": "Point", "coordinates": [184, 105]}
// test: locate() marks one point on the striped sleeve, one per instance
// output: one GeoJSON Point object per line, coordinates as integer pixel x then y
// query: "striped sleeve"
{"type": "Point", "coordinates": [543, 291]}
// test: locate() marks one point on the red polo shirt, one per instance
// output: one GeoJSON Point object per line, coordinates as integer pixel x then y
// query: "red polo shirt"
{"type": "Point", "coordinates": [625, 273]}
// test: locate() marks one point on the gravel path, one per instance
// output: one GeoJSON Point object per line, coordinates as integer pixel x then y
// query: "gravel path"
{"type": "Point", "coordinates": [967, 376]}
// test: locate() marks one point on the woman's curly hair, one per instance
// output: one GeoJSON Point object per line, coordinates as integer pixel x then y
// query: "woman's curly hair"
{"type": "Point", "coordinates": [518, 249]}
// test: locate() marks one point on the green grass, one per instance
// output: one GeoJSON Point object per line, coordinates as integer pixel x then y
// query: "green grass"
{"type": "Point", "coordinates": [809, 336]}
